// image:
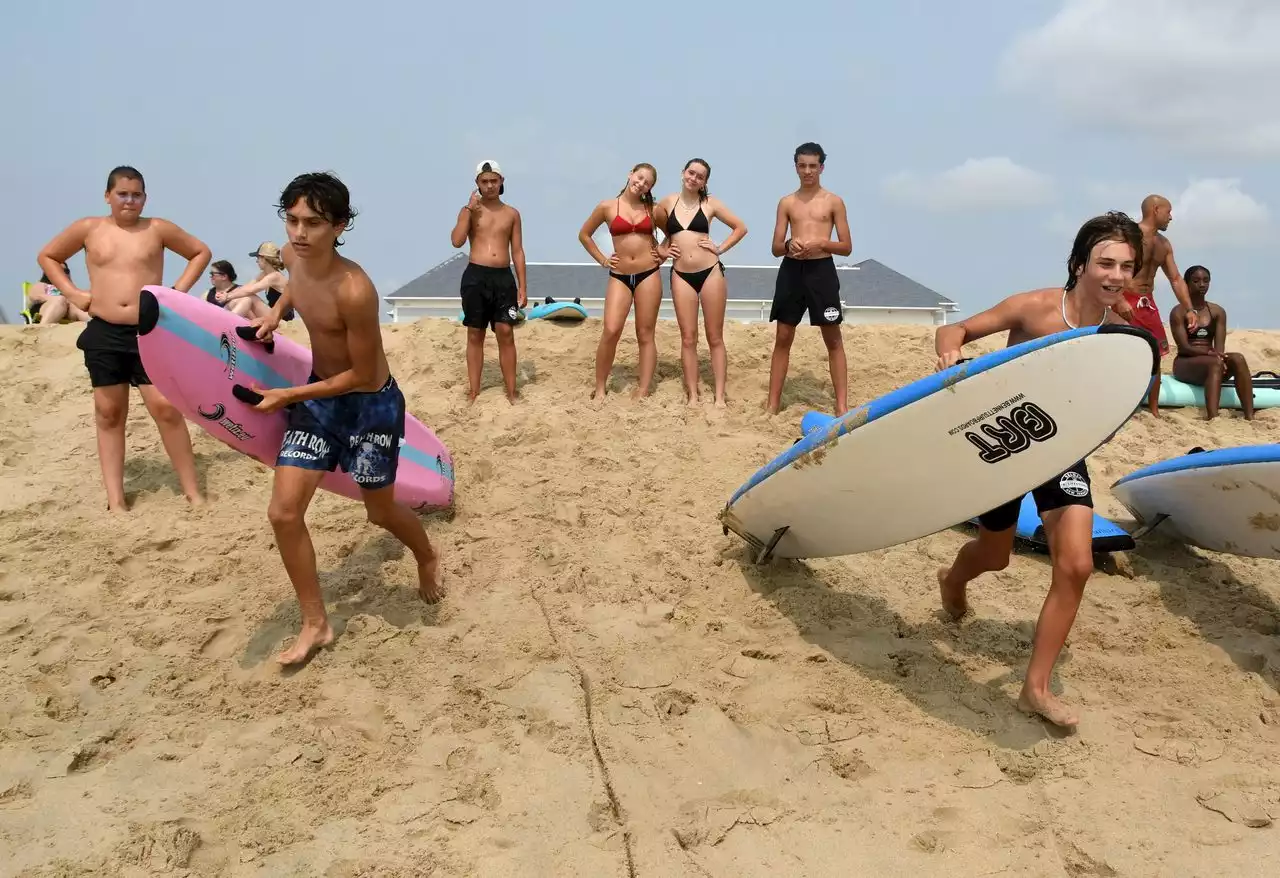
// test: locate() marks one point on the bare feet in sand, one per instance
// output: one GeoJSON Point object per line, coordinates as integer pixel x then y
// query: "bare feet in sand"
{"type": "Point", "coordinates": [1048, 706]}
{"type": "Point", "coordinates": [431, 579]}
{"type": "Point", "coordinates": [720, 404]}
{"type": "Point", "coordinates": [954, 601]}
{"type": "Point", "coordinates": [310, 638]}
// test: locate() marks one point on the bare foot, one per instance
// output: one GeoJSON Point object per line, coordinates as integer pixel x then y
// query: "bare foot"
{"type": "Point", "coordinates": [471, 398]}
{"type": "Point", "coordinates": [954, 601]}
{"type": "Point", "coordinates": [196, 499]}
{"type": "Point", "coordinates": [694, 402]}
{"type": "Point", "coordinates": [1049, 707]}
{"type": "Point", "coordinates": [431, 579]}
{"type": "Point", "coordinates": [310, 638]}
{"type": "Point", "coordinates": [721, 404]}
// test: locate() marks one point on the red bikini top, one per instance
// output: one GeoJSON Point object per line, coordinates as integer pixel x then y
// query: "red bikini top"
{"type": "Point", "coordinates": [620, 226]}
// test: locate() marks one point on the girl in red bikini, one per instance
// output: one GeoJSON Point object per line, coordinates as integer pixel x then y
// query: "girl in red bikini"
{"type": "Point", "coordinates": [632, 218]}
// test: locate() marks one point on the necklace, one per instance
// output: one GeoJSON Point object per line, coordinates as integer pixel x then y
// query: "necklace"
{"type": "Point", "coordinates": [1105, 310]}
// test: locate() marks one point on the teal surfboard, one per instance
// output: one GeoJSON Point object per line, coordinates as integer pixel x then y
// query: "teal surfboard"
{"type": "Point", "coordinates": [1178, 394]}
{"type": "Point", "coordinates": [569, 312]}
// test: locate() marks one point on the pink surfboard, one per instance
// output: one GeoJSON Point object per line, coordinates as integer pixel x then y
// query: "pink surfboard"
{"type": "Point", "coordinates": [194, 355]}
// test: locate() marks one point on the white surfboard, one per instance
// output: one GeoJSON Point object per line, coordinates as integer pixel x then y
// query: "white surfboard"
{"type": "Point", "coordinates": [1224, 501]}
{"type": "Point", "coordinates": [946, 448]}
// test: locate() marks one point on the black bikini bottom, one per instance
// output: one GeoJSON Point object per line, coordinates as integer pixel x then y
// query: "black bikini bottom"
{"type": "Point", "coordinates": [633, 280]}
{"type": "Point", "coordinates": [696, 279]}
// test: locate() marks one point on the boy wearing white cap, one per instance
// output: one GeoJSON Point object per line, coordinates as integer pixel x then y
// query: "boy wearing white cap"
{"type": "Point", "coordinates": [490, 295]}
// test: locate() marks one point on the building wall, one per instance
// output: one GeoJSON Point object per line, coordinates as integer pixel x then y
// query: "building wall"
{"type": "Point", "coordinates": [740, 310]}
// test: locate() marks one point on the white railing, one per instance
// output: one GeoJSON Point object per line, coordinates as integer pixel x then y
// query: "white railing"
{"type": "Point", "coordinates": [403, 309]}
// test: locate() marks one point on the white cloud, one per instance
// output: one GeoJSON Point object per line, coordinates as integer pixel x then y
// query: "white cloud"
{"type": "Point", "coordinates": [1217, 213]}
{"type": "Point", "coordinates": [977, 184]}
{"type": "Point", "coordinates": [1197, 74]}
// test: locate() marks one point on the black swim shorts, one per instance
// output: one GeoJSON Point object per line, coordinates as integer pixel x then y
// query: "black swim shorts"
{"type": "Point", "coordinates": [111, 353]}
{"type": "Point", "coordinates": [361, 432]}
{"type": "Point", "coordinates": [807, 284]}
{"type": "Point", "coordinates": [1070, 488]}
{"type": "Point", "coordinates": [489, 296]}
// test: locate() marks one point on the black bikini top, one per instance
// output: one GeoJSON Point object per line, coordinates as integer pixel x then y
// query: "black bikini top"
{"type": "Point", "coordinates": [697, 224]}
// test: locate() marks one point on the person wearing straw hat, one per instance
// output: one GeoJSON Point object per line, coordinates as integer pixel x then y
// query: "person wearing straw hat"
{"type": "Point", "coordinates": [270, 280]}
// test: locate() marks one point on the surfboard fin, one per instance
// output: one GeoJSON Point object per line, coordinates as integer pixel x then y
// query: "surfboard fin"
{"type": "Point", "coordinates": [1148, 528]}
{"type": "Point", "coordinates": [250, 333]}
{"type": "Point", "coordinates": [245, 395]}
{"type": "Point", "coordinates": [766, 554]}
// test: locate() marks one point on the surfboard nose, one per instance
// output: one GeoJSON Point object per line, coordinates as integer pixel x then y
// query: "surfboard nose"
{"type": "Point", "coordinates": [148, 312]}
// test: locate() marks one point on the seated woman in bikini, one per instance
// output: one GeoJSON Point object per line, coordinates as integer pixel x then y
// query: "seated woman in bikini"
{"type": "Point", "coordinates": [222, 294]}
{"type": "Point", "coordinates": [633, 272]}
{"type": "Point", "coordinates": [47, 305]}
{"type": "Point", "coordinates": [697, 275]}
{"type": "Point", "coordinates": [1202, 358]}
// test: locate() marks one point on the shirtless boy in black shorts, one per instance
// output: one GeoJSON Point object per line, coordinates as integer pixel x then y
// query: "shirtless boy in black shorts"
{"type": "Point", "coordinates": [490, 295]}
{"type": "Point", "coordinates": [807, 279]}
{"type": "Point", "coordinates": [1104, 258]}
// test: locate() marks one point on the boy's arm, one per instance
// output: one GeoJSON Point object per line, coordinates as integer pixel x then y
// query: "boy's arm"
{"type": "Point", "coordinates": [843, 245]}
{"type": "Point", "coordinates": [517, 257]}
{"type": "Point", "coordinates": [779, 245]}
{"type": "Point", "coordinates": [462, 228]}
{"type": "Point", "coordinates": [188, 246]}
{"type": "Point", "coordinates": [948, 340]}
{"type": "Point", "coordinates": [66, 244]}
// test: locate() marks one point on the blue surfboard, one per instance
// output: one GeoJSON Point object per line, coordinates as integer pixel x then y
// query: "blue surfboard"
{"type": "Point", "coordinates": [553, 310]}
{"type": "Point", "coordinates": [1226, 500]}
{"type": "Point", "coordinates": [992, 429]}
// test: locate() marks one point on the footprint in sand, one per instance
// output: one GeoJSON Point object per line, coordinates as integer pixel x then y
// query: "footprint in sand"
{"type": "Point", "coordinates": [220, 644]}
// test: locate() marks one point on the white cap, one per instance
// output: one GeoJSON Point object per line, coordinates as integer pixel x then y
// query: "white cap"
{"type": "Point", "coordinates": [488, 166]}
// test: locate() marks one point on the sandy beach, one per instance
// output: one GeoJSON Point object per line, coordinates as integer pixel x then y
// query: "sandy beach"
{"type": "Point", "coordinates": [611, 688]}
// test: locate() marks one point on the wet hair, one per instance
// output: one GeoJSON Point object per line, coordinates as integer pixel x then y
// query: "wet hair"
{"type": "Point", "coordinates": [226, 268]}
{"type": "Point", "coordinates": [1111, 226]}
{"type": "Point", "coordinates": [487, 168]}
{"type": "Point", "coordinates": [324, 193]}
{"type": "Point", "coordinates": [1186, 275]}
{"type": "Point", "coordinates": [810, 148]}
{"type": "Point", "coordinates": [647, 198]}
{"type": "Point", "coordinates": [703, 194]}
{"type": "Point", "coordinates": [125, 172]}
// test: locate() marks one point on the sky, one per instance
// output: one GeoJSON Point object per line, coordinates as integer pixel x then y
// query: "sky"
{"type": "Point", "coordinates": [968, 140]}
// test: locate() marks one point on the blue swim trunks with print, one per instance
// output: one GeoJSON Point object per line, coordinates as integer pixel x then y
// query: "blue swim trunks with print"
{"type": "Point", "coordinates": [361, 432]}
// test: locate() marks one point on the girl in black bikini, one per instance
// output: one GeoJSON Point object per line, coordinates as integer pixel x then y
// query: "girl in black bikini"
{"type": "Point", "coordinates": [633, 272]}
{"type": "Point", "coordinates": [1202, 358]}
{"type": "Point", "coordinates": [697, 273]}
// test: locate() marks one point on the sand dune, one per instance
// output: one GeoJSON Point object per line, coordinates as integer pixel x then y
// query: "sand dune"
{"type": "Point", "coordinates": [610, 688]}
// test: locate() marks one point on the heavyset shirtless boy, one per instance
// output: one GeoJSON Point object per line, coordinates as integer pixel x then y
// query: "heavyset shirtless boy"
{"type": "Point", "coordinates": [124, 252]}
